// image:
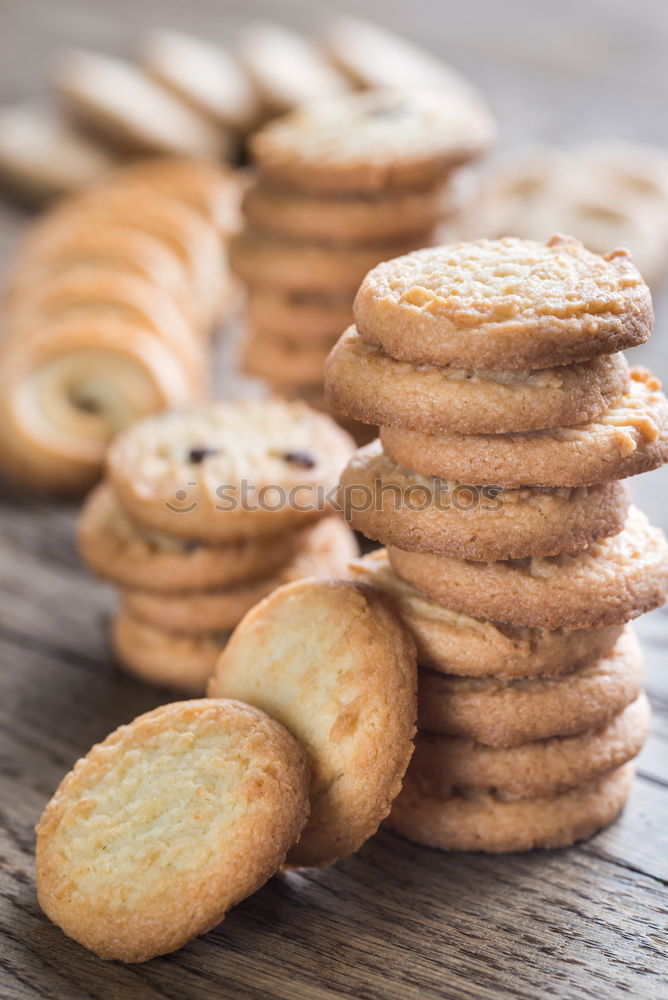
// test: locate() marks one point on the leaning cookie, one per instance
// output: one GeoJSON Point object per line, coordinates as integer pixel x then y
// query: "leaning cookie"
{"type": "Point", "coordinates": [400, 508]}
{"type": "Point", "coordinates": [168, 823]}
{"type": "Point", "coordinates": [483, 821]}
{"type": "Point", "coordinates": [365, 383]}
{"type": "Point", "coordinates": [506, 303]}
{"type": "Point", "coordinates": [330, 660]}
{"type": "Point", "coordinates": [454, 643]}
{"type": "Point", "coordinates": [627, 438]}
{"type": "Point", "coordinates": [611, 582]}
{"type": "Point", "coordinates": [442, 764]}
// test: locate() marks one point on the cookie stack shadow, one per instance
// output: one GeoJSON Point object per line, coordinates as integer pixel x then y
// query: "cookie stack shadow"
{"type": "Point", "coordinates": [513, 555]}
{"type": "Point", "coordinates": [336, 191]}
{"type": "Point", "coordinates": [179, 526]}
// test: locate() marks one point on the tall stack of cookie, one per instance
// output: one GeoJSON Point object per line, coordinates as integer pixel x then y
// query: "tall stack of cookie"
{"type": "Point", "coordinates": [205, 512]}
{"type": "Point", "coordinates": [508, 421]}
{"type": "Point", "coordinates": [342, 184]}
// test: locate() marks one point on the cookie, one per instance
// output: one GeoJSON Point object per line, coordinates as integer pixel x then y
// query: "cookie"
{"type": "Point", "coordinates": [379, 141]}
{"type": "Point", "coordinates": [204, 76]}
{"type": "Point", "coordinates": [323, 551]}
{"type": "Point", "coordinates": [67, 390]}
{"type": "Point", "coordinates": [307, 316]}
{"type": "Point", "coordinates": [293, 266]}
{"type": "Point", "coordinates": [115, 548]}
{"type": "Point", "coordinates": [398, 507]}
{"type": "Point", "coordinates": [330, 660]}
{"type": "Point", "coordinates": [125, 107]}
{"type": "Point", "coordinates": [364, 382]}
{"type": "Point", "coordinates": [627, 438]}
{"type": "Point", "coordinates": [373, 219]}
{"type": "Point", "coordinates": [286, 69]}
{"type": "Point", "coordinates": [42, 157]}
{"type": "Point", "coordinates": [505, 713]}
{"type": "Point", "coordinates": [165, 825]}
{"type": "Point", "coordinates": [505, 303]}
{"type": "Point", "coordinates": [229, 470]}
{"type": "Point", "coordinates": [455, 643]}
{"type": "Point", "coordinates": [483, 821]}
{"type": "Point", "coordinates": [443, 764]}
{"type": "Point", "coordinates": [282, 361]}
{"type": "Point", "coordinates": [614, 580]}
{"type": "Point", "coordinates": [171, 660]}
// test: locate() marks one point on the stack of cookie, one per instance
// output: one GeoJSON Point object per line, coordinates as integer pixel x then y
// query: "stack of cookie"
{"type": "Point", "coordinates": [111, 304]}
{"type": "Point", "coordinates": [342, 185]}
{"type": "Point", "coordinates": [508, 421]}
{"type": "Point", "coordinates": [205, 512]}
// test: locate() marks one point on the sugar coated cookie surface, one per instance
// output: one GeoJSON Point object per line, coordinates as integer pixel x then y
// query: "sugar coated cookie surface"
{"type": "Point", "coordinates": [506, 303]}
{"type": "Point", "coordinates": [169, 822]}
{"type": "Point", "coordinates": [331, 662]}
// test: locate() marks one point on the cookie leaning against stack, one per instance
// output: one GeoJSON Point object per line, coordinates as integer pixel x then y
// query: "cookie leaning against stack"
{"type": "Point", "coordinates": [508, 421]}
{"type": "Point", "coordinates": [342, 185]}
{"type": "Point", "coordinates": [204, 513]}
{"type": "Point", "coordinates": [110, 306]}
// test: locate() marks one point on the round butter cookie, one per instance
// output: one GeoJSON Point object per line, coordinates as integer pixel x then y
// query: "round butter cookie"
{"type": "Point", "coordinates": [364, 382]}
{"type": "Point", "coordinates": [168, 823]}
{"type": "Point", "coordinates": [614, 580]}
{"type": "Point", "coordinates": [398, 507]}
{"type": "Point", "coordinates": [385, 140]}
{"type": "Point", "coordinates": [483, 821]}
{"type": "Point", "coordinates": [229, 470]}
{"type": "Point", "coordinates": [330, 660]}
{"type": "Point", "coordinates": [455, 643]}
{"type": "Point", "coordinates": [506, 303]}
{"type": "Point", "coordinates": [282, 361]}
{"type": "Point", "coordinates": [304, 316]}
{"type": "Point", "coordinates": [627, 438]}
{"type": "Point", "coordinates": [443, 764]}
{"type": "Point", "coordinates": [503, 712]}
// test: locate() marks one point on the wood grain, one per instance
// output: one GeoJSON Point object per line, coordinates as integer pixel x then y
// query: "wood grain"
{"type": "Point", "coordinates": [395, 922]}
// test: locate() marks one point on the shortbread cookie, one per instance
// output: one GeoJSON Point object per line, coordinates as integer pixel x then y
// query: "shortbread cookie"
{"type": "Point", "coordinates": [455, 643]}
{"type": "Point", "coordinates": [364, 382]}
{"type": "Point", "coordinates": [291, 266]}
{"type": "Point", "coordinates": [443, 764]}
{"type": "Point", "coordinates": [226, 471]}
{"type": "Point", "coordinates": [204, 76]}
{"type": "Point", "coordinates": [41, 156]}
{"type": "Point", "coordinates": [395, 506]}
{"type": "Point", "coordinates": [283, 361]}
{"type": "Point", "coordinates": [373, 219]}
{"type": "Point", "coordinates": [319, 318]}
{"type": "Point", "coordinates": [627, 438]}
{"type": "Point", "coordinates": [126, 107]}
{"type": "Point", "coordinates": [323, 551]}
{"type": "Point", "coordinates": [614, 580]}
{"type": "Point", "coordinates": [286, 69]}
{"type": "Point", "coordinates": [180, 662]}
{"type": "Point", "coordinates": [164, 826]}
{"type": "Point", "coordinates": [115, 548]}
{"type": "Point", "coordinates": [503, 713]}
{"type": "Point", "coordinates": [483, 821]}
{"type": "Point", "coordinates": [330, 660]}
{"type": "Point", "coordinates": [506, 303]}
{"type": "Point", "coordinates": [380, 141]}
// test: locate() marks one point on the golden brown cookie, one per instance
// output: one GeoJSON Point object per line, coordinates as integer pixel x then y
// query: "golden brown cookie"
{"type": "Point", "coordinates": [627, 438]}
{"type": "Point", "coordinates": [364, 382]}
{"type": "Point", "coordinates": [168, 823]}
{"type": "Point", "coordinates": [483, 821]}
{"type": "Point", "coordinates": [443, 764]}
{"type": "Point", "coordinates": [229, 470]}
{"type": "Point", "coordinates": [281, 360]}
{"type": "Point", "coordinates": [455, 643]}
{"type": "Point", "coordinates": [330, 660]}
{"type": "Point", "coordinates": [313, 317]}
{"type": "Point", "coordinates": [504, 713]}
{"type": "Point", "coordinates": [506, 303]}
{"type": "Point", "coordinates": [398, 507]}
{"type": "Point", "coordinates": [378, 141]}
{"type": "Point", "coordinates": [611, 582]}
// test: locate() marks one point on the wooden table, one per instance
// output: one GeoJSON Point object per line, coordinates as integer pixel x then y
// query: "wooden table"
{"type": "Point", "coordinates": [395, 922]}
